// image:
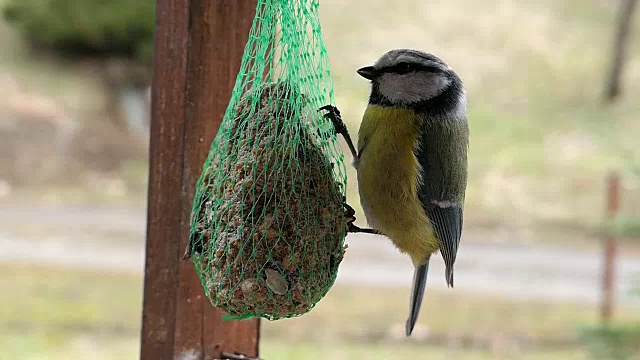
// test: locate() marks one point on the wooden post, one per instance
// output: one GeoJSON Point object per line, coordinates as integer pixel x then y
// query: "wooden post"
{"type": "Point", "coordinates": [198, 48]}
{"type": "Point", "coordinates": [609, 269]}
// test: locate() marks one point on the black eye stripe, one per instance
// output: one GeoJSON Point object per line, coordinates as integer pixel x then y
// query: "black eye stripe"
{"type": "Point", "coordinates": [430, 68]}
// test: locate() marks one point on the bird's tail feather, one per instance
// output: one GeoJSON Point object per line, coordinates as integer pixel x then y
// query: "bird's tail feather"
{"type": "Point", "coordinates": [449, 276]}
{"type": "Point", "coordinates": [417, 294]}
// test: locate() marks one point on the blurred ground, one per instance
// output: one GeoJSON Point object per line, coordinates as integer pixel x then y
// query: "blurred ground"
{"type": "Point", "coordinates": [73, 181]}
{"type": "Point", "coordinates": [71, 314]}
{"type": "Point", "coordinates": [112, 240]}
{"type": "Point", "coordinates": [75, 279]}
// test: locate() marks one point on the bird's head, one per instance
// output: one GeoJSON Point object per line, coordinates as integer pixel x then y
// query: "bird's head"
{"type": "Point", "coordinates": [404, 77]}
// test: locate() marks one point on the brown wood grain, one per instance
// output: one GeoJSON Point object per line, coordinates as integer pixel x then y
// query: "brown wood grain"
{"type": "Point", "coordinates": [199, 46]}
{"type": "Point", "coordinates": [165, 179]}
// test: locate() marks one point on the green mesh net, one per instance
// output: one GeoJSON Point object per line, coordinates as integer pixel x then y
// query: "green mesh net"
{"type": "Point", "coordinates": [268, 228]}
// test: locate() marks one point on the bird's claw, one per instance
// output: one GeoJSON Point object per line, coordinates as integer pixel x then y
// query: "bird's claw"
{"type": "Point", "coordinates": [334, 115]}
{"type": "Point", "coordinates": [350, 218]}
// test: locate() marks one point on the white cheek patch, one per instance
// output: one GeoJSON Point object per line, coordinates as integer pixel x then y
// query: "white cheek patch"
{"type": "Point", "coordinates": [411, 87]}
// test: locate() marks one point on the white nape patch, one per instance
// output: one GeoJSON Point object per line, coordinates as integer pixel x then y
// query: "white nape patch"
{"type": "Point", "coordinates": [444, 204]}
{"type": "Point", "coordinates": [411, 87]}
{"type": "Point", "coordinates": [460, 112]}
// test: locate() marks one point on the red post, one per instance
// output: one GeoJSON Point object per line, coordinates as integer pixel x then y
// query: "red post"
{"type": "Point", "coordinates": [198, 49]}
{"type": "Point", "coordinates": [609, 270]}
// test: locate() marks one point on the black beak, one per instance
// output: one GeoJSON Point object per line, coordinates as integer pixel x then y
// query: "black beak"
{"type": "Point", "coordinates": [367, 72]}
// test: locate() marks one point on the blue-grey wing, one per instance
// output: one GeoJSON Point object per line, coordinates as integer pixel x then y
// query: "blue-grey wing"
{"type": "Point", "coordinates": [442, 154]}
{"type": "Point", "coordinates": [447, 222]}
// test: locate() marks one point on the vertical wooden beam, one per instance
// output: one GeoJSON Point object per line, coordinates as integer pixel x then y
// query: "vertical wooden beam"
{"type": "Point", "coordinates": [218, 38]}
{"type": "Point", "coordinates": [165, 200]}
{"type": "Point", "coordinates": [609, 268]}
{"type": "Point", "coordinates": [198, 49]}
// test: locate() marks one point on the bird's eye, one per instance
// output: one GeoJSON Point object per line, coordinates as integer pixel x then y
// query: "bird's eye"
{"type": "Point", "coordinates": [404, 68]}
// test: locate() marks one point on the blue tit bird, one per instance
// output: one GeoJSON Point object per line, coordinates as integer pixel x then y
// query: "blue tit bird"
{"type": "Point", "coordinates": [411, 160]}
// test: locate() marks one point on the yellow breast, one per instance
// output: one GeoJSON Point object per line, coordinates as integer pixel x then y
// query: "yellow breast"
{"type": "Point", "coordinates": [388, 180]}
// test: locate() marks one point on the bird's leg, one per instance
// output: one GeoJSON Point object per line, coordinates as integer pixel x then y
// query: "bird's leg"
{"type": "Point", "coordinates": [349, 215]}
{"type": "Point", "coordinates": [333, 114]}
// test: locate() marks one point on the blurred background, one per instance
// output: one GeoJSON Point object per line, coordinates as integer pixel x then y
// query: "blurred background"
{"type": "Point", "coordinates": [547, 128]}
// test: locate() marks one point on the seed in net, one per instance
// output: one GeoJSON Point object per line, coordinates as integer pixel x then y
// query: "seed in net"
{"type": "Point", "coordinates": [248, 285]}
{"type": "Point", "coordinates": [276, 282]}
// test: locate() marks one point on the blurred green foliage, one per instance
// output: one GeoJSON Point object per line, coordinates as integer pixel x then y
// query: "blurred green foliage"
{"type": "Point", "coordinates": [95, 28]}
{"type": "Point", "coordinates": [623, 226]}
{"type": "Point", "coordinates": [616, 342]}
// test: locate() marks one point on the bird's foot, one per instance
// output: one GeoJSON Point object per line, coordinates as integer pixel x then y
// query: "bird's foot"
{"type": "Point", "coordinates": [350, 217]}
{"type": "Point", "coordinates": [333, 114]}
